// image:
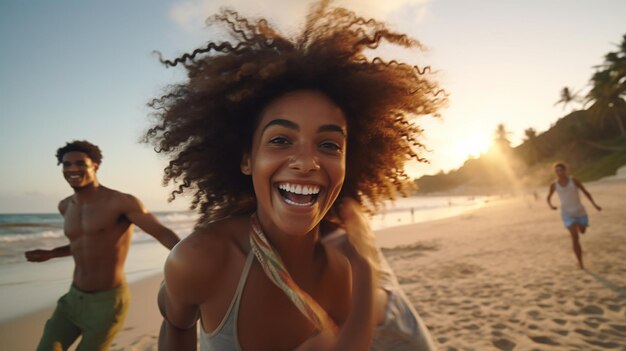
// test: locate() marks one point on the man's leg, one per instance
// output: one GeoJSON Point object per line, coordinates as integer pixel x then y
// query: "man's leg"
{"type": "Point", "coordinates": [60, 332]}
{"type": "Point", "coordinates": [573, 230]}
{"type": "Point", "coordinates": [102, 318]}
{"type": "Point", "coordinates": [583, 223]}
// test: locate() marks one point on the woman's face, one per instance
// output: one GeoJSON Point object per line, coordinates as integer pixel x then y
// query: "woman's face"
{"type": "Point", "coordinates": [297, 161]}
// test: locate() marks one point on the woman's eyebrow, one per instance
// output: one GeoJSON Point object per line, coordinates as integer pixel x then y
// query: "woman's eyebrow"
{"type": "Point", "coordinates": [332, 128]}
{"type": "Point", "coordinates": [291, 125]}
{"type": "Point", "coordinates": [282, 122]}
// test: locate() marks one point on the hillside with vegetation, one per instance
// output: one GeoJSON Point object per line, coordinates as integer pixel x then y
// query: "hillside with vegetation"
{"type": "Point", "coordinates": [591, 140]}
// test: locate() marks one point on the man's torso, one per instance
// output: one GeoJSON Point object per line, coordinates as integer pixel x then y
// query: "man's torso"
{"type": "Point", "coordinates": [569, 197]}
{"type": "Point", "coordinates": [99, 235]}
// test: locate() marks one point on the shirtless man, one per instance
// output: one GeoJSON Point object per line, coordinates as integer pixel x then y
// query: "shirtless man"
{"type": "Point", "coordinates": [573, 212]}
{"type": "Point", "coordinates": [98, 222]}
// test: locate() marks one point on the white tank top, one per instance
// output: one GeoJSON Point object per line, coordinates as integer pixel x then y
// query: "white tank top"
{"type": "Point", "coordinates": [570, 201]}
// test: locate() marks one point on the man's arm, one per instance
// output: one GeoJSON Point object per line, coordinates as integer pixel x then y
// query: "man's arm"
{"type": "Point", "coordinates": [44, 255]}
{"type": "Point", "coordinates": [61, 251]}
{"type": "Point", "coordinates": [549, 199]}
{"type": "Point", "coordinates": [582, 188]}
{"type": "Point", "coordinates": [137, 214]}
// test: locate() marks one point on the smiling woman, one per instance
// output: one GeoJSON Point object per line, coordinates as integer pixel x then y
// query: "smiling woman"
{"type": "Point", "coordinates": [280, 140]}
{"type": "Point", "coordinates": [299, 146]}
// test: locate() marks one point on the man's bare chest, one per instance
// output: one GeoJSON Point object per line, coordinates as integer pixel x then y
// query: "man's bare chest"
{"type": "Point", "coordinates": [93, 220]}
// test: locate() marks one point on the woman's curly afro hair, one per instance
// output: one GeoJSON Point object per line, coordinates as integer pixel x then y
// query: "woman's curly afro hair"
{"type": "Point", "coordinates": [206, 124]}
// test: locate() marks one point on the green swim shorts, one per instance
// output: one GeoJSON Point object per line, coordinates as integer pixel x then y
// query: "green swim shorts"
{"type": "Point", "coordinates": [97, 316]}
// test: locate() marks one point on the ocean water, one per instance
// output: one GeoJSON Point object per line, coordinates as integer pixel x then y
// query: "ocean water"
{"type": "Point", "coordinates": [26, 287]}
{"type": "Point", "coordinates": [23, 232]}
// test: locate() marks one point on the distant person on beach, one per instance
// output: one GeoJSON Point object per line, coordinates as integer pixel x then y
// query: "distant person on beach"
{"type": "Point", "coordinates": [98, 222]}
{"type": "Point", "coordinates": [573, 212]}
{"type": "Point", "coordinates": [281, 140]}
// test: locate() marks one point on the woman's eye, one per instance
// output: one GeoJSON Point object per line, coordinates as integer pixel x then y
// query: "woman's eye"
{"type": "Point", "coordinates": [279, 141]}
{"type": "Point", "coordinates": [330, 146]}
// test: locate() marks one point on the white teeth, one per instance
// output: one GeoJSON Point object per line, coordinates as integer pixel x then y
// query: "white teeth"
{"type": "Point", "coordinates": [299, 204]}
{"type": "Point", "coordinates": [299, 189]}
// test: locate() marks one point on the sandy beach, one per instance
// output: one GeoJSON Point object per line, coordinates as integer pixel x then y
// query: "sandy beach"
{"type": "Point", "coordinates": [501, 277]}
{"type": "Point", "coordinates": [505, 278]}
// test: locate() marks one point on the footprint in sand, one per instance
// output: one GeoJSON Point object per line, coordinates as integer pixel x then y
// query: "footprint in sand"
{"type": "Point", "coordinates": [584, 332]}
{"type": "Point", "coordinates": [619, 327]}
{"type": "Point", "coordinates": [590, 323]}
{"type": "Point", "coordinates": [614, 308]}
{"type": "Point", "coordinates": [591, 309]}
{"type": "Point", "coordinates": [561, 332]}
{"type": "Point", "coordinates": [598, 319]}
{"type": "Point", "coordinates": [615, 333]}
{"type": "Point", "coordinates": [604, 344]}
{"type": "Point", "coordinates": [543, 340]}
{"type": "Point", "coordinates": [504, 344]}
{"type": "Point", "coordinates": [533, 313]}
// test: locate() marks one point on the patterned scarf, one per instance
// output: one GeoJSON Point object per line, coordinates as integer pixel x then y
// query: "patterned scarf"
{"type": "Point", "coordinates": [275, 270]}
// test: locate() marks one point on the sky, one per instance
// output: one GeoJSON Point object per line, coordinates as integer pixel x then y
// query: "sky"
{"type": "Point", "coordinates": [86, 69]}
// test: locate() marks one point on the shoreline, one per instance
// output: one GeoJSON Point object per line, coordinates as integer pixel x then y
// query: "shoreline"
{"type": "Point", "coordinates": [34, 286]}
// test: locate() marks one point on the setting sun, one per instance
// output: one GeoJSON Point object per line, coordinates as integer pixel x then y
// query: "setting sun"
{"type": "Point", "coordinates": [473, 146]}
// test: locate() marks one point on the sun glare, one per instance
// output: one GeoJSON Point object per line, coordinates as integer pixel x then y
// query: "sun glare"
{"type": "Point", "coordinates": [471, 146]}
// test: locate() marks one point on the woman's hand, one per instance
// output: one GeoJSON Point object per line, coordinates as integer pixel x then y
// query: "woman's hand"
{"type": "Point", "coordinates": [361, 243]}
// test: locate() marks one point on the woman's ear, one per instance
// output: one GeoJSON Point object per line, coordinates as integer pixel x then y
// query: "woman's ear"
{"type": "Point", "coordinates": [245, 164]}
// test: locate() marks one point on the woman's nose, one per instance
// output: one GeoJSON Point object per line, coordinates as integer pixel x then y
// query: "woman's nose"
{"type": "Point", "coordinates": [304, 160]}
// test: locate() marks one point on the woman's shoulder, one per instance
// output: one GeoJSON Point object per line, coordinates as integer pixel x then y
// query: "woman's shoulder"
{"type": "Point", "coordinates": [213, 242]}
{"type": "Point", "coordinates": [199, 259]}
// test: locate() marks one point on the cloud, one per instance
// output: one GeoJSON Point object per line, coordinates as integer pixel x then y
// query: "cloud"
{"type": "Point", "coordinates": [288, 14]}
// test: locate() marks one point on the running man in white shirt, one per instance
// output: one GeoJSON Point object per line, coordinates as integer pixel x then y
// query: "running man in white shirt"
{"type": "Point", "coordinates": [573, 212]}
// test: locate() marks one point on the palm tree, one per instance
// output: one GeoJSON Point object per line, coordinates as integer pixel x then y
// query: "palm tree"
{"type": "Point", "coordinates": [532, 150]}
{"type": "Point", "coordinates": [608, 89]}
{"type": "Point", "coordinates": [501, 139]}
{"type": "Point", "coordinates": [606, 99]}
{"type": "Point", "coordinates": [530, 134]}
{"type": "Point", "coordinates": [567, 97]}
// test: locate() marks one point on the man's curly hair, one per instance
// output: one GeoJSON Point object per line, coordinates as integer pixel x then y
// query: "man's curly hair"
{"type": "Point", "coordinates": [206, 124]}
{"type": "Point", "coordinates": [84, 146]}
